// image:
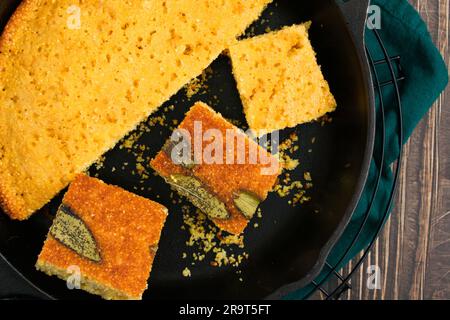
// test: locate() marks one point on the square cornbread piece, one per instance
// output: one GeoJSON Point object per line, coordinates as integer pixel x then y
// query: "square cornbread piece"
{"type": "Point", "coordinates": [228, 192]}
{"type": "Point", "coordinates": [110, 235]}
{"type": "Point", "coordinates": [77, 76]}
{"type": "Point", "coordinates": [279, 80]}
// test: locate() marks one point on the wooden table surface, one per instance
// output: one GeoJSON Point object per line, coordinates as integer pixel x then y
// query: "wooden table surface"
{"type": "Point", "coordinates": [413, 252]}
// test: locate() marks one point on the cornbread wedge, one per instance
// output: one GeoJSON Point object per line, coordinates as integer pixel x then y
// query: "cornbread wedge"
{"type": "Point", "coordinates": [228, 183]}
{"type": "Point", "coordinates": [76, 76]}
{"type": "Point", "coordinates": [280, 83]}
{"type": "Point", "coordinates": [108, 235]}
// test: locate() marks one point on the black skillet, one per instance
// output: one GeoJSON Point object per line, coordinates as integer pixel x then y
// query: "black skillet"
{"type": "Point", "coordinates": [290, 246]}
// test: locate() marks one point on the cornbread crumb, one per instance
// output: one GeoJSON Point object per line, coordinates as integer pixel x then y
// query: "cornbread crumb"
{"type": "Point", "coordinates": [288, 187]}
{"type": "Point", "coordinates": [199, 84]}
{"type": "Point", "coordinates": [259, 213]}
{"type": "Point", "coordinates": [326, 119]}
{"type": "Point", "coordinates": [100, 163]}
{"type": "Point", "coordinates": [232, 239]}
{"type": "Point", "coordinates": [290, 164]}
{"type": "Point", "coordinates": [187, 272]}
{"type": "Point", "coordinates": [286, 149]}
{"type": "Point", "coordinates": [211, 245]}
{"type": "Point", "coordinates": [193, 87]}
{"type": "Point", "coordinates": [307, 176]}
{"type": "Point", "coordinates": [280, 83]}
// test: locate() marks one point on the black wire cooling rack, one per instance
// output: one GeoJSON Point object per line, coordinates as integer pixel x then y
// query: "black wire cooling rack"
{"type": "Point", "coordinates": [332, 270]}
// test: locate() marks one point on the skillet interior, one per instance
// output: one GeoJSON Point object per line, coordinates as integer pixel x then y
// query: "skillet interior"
{"type": "Point", "coordinates": [289, 242]}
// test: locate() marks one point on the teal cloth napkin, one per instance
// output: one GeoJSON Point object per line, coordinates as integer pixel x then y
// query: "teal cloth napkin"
{"type": "Point", "coordinates": [404, 33]}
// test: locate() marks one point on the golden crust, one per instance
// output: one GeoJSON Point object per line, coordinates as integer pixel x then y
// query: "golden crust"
{"type": "Point", "coordinates": [9, 206]}
{"type": "Point", "coordinates": [125, 226]}
{"type": "Point", "coordinates": [16, 21]}
{"type": "Point", "coordinates": [223, 179]}
{"type": "Point", "coordinates": [86, 283]}
{"type": "Point", "coordinates": [8, 201]}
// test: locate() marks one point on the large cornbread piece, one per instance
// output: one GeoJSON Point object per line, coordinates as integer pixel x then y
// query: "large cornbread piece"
{"type": "Point", "coordinates": [226, 180]}
{"type": "Point", "coordinates": [279, 80]}
{"type": "Point", "coordinates": [76, 76]}
{"type": "Point", "coordinates": [108, 235]}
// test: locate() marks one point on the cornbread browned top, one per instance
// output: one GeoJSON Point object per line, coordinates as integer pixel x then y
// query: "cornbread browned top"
{"type": "Point", "coordinates": [222, 179]}
{"type": "Point", "coordinates": [279, 80]}
{"type": "Point", "coordinates": [77, 75]}
{"type": "Point", "coordinates": [125, 227]}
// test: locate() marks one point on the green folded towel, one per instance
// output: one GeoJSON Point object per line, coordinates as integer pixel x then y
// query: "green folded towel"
{"type": "Point", "coordinates": [404, 33]}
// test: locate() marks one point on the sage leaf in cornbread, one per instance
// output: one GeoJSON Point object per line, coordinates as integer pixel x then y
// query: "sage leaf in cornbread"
{"type": "Point", "coordinates": [247, 203]}
{"type": "Point", "coordinates": [71, 231]}
{"type": "Point", "coordinates": [180, 154]}
{"type": "Point", "coordinates": [194, 190]}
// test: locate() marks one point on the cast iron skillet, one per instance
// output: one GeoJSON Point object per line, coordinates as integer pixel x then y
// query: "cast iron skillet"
{"type": "Point", "coordinates": [290, 246]}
